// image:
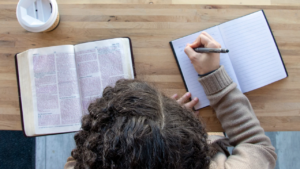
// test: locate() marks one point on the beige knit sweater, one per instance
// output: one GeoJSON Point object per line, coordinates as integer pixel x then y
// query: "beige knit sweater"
{"type": "Point", "coordinates": [252, 148]}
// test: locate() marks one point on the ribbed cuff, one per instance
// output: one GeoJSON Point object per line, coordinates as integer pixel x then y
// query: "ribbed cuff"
{"type": "Point", "coordinates": [215, 82]}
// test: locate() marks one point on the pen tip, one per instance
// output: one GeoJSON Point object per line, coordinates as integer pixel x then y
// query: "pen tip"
{"type": "Point", "coordinates": [227, 50]}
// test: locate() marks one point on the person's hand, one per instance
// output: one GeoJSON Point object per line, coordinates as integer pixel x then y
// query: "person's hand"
{"type": "Point", "coordinates": [203, 62]}
{"type": "Point", "coordinates": [184, 100]}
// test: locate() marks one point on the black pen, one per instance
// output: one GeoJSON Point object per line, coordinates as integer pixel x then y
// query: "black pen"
{"type": "Point", "coordinates": [211, 50]}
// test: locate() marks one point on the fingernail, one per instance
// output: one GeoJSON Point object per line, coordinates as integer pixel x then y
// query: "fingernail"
{"type": "Point", "coordinates": [195, 99]}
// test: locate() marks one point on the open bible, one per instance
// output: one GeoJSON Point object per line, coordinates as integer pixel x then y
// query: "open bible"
{"type": "Point", "coordinates": [253, 60]}
{"type": "Point", "coordinates": [57, 84]}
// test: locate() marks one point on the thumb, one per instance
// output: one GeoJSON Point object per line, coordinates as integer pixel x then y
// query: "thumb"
{"type": "Point", "coordinates": [189, 51]}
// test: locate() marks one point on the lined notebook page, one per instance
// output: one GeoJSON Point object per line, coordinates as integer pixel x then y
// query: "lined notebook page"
{"type": "Point", "coordinates": [190, 76]}
{"type": "Point", "coordinates": [253, 52]}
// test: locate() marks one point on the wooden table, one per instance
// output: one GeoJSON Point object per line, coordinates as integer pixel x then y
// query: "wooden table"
{"type": "Point", "coordinates": [151, 27]}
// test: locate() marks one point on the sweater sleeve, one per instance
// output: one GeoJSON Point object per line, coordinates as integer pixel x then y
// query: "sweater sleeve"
{"type": "Point", "coordinates": [71, 162]}
{"type": "Point", "coordinates": [252, 148]}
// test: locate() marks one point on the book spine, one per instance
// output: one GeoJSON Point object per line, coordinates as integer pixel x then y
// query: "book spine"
{"type": "Point", "coordinates": [275, 43]}
{"type": "Point", "coordinates": [173, 50]}
{"type": "Point", "coordinates": [19, 95]}
{"type": "Point", "coordinates": [132, 58]}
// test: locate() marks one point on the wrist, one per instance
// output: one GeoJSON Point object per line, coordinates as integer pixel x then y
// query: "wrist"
{"type": "Point", "coordinates": [215, 81]}
{"type": "Point", "coordinates": [205, 74]}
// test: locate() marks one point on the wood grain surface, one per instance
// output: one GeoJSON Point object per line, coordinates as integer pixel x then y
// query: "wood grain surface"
{"type": "Point", "coordinates": [211, 2]}
{"type": "Point", "coordinates": [151, 27]}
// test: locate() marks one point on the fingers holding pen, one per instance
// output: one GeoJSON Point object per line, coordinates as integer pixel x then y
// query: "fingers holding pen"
{"type": "Point", "coordinates": [202, 40]}
{"type": "Point", "coordinates": [208, 35]}
{"type": "Point", "coordinates": [191, 52]}
{"type": "Point", "coordinates": [203, 62]}
{"type": "Point", "coordinates": [205, 40]}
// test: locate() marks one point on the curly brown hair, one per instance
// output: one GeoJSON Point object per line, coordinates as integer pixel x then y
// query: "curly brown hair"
{"type": "Point", "coordinates": [133, 125]}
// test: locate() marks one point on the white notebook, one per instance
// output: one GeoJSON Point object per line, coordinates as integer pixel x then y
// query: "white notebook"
{"type": "Point", "coordinates": [253, 60]}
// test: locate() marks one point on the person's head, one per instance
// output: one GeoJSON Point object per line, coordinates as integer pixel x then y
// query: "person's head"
{"type": "Point", "coordinates": [135, 126]}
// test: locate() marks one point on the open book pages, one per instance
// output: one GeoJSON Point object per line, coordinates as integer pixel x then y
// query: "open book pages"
{"type": "Point", "coordinates": [58, 83]}
{"type": "Point", "coordinates": [253, 60]}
